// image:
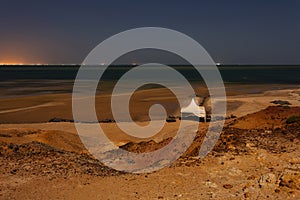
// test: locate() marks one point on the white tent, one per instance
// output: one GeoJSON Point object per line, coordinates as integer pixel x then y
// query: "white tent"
{"type": "Point", "coordinates": [194, 110]}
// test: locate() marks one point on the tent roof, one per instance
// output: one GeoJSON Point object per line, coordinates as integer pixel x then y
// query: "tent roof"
{"type": "Point", "coordinates": [193, 108]}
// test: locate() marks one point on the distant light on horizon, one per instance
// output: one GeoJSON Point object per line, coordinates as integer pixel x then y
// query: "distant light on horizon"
{"type": "Point", "coordinates": [38, 64]}
{"type": "Point", "coordinates": [21, 63]}
{"type": "Point", "coordinates": [12, 63]}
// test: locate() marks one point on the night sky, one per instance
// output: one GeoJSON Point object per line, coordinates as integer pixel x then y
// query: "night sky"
{"type": "Point", "coordinates": [233, 32]}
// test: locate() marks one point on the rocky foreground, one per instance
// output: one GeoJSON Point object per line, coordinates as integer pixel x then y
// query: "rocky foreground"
{"type": "Point", "coordinates": [256, 157]}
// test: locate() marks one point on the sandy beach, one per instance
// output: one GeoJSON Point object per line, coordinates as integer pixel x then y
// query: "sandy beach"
{"type": "Point", "coordinates": [256, 157]}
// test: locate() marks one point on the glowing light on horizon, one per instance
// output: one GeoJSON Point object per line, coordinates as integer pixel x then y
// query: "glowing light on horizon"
{"type": "Point", "coordinates": [19, 60]}
{"type": "Point", "coordinates": [20, 63]}
{"type": "Point", "coordinates": [11, 63]}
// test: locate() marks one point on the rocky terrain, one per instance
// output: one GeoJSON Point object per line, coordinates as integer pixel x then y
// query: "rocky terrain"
{"type": "Point", "coordinates": [256, 157]}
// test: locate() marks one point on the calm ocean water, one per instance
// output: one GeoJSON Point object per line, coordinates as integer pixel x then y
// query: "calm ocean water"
{"type": "Point", "coordinates": [230, 74]}
{"type": "Point", "coordinates": [32, 80]}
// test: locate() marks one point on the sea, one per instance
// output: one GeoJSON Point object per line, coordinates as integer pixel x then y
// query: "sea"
{"type": "Point", "coordinates": [38, 79]}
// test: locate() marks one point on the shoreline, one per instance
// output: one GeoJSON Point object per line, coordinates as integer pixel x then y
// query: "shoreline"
{"type": "Point", "coordinates": [241, 100]}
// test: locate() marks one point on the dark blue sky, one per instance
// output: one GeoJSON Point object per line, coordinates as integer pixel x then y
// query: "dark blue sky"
{"type": "Point", "coordinates": [241, 32]}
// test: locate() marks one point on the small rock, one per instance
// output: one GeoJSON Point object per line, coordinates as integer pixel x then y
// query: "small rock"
{"type": "Point", "coordinates": [268, 180]}
{"type": "Point", "coordinates": [227, 186]}
{"type": "Point", "coordinates": [27, 168]}
{"type": "Point", "coordinates": [250, 145]}
{"type": "Point", "coordinates": [247, 195]}
{"type": "Point", "coordinates": [290, 180]}
{"type": "Point", "coordinates": [211, 184]}
{"type": "Point", "coordinates": [234, 172]}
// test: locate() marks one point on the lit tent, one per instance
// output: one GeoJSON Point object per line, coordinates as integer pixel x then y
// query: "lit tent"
{"type": "Point", "coordinates": [192, 110]}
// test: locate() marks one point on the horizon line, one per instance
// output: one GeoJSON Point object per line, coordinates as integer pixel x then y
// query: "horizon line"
{"type": "Point", "coordinates": [135, 64]}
